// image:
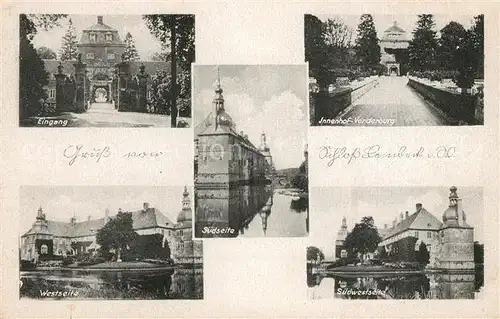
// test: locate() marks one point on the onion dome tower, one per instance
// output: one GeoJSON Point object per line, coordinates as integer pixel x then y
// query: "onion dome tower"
{"type": "Point", "coordinates": [222, 120]}
{"type": "Point", "coordinates": [454, 214]}
{"type": "Point", "coordinates": [341, 236]}
{"type": "Point", "coordinates": [456, 237]}
{"type": "Point", "coordinates": [185, 215]}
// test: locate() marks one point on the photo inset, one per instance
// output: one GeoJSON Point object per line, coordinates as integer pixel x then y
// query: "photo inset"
{"type": "Point", "coordinates": [397, 243]}
{"type": "Point", "coordinates": [108, 242]}
{"type": "Point", "coordinates": [251, 152]}
{"type": "Point", "coordinates": [395, 70]}
{"type": "Point", "coordinates": [105, 71]}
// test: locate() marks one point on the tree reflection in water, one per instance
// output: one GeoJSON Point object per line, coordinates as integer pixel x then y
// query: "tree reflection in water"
{"type": "Point", "coordinates": [415, 286]}
{"type": "Point", "coordinates": [181, 283]}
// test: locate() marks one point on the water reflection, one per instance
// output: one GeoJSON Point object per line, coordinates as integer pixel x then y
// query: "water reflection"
{"type": "Point", "coordinates": [415, 286]}
{"type": "Point", "coordinates": [249, 211]}
{"type": "Point", "coordinates": [179, 283]}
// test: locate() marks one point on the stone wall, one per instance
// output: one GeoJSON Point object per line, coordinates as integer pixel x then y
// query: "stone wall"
{"type": "Point", "coordinates": [460, 108]}
{"type": "Point", "coordinates": [330, 104]}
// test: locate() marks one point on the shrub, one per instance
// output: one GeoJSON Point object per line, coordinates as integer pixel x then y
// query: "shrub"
{"type": "Point", "coordinates": [68, 261]}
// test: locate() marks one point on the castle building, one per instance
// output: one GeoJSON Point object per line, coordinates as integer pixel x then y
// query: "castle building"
{"type": "Point", "coordinates": [101, 49]}
{"type": "Point", "coordinates": [48, 238]}
{"type": "Point", "coordinates": [450, 243]}
{"type": "Point", "coordinates": [393, 45]}
{"type": "Point", "coordinates": [340, 241]}
{"type": "Point", "coordinates": [224, 156]}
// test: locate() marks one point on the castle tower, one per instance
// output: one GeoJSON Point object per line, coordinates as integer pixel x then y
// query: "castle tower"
{"type": "Point", "coordinates": [456, 237]}
{"type": "Point", "coordinates": [341, 236]}
{"type": "Point", "coordinates": [393, 41]}
{"type": "Point", "coordinates": [264, 149]}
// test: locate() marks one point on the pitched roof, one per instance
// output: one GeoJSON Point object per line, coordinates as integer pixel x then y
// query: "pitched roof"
{"type": "Point", "coordinates": [395, 28]}
{"type": "Point", "coordinates": [141, 219]}
{"type": "Point", "coordinates": [415, 220]}
{"type": "Point", "coordinates": [99, 27]}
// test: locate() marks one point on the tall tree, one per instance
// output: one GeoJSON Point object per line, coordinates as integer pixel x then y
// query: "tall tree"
{"type": "Point", "coordinates": [46, 53]}
{"type": "Point", "coordinates": [453, 39]}
{"type": "Point", "coordinates": [176, 32]}
{"type": "Point", "coordinates": [68, 49]}
{"type": "Point", "coordinates": [32, 75]}
{"type": "Point", "coordinates": [367, 46]}
{"type": "Point", "coordinates": [363, 238]}
{"type": "Point", "coordinates": [422, 48]}
{"type": "Point", "coordinates": [476, 35]}
{"type": "Point", "coordinates": [316, 51]}
{"type": "Point", "coordinates": [130, 53]}
{"type": "Point", "coordinates": [338, 39]}
{"type": "Point", "coordinates": [117, 233]}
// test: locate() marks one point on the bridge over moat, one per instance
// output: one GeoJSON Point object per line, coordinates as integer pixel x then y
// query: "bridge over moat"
{"type": "Point", "coordinates": [392, 99]}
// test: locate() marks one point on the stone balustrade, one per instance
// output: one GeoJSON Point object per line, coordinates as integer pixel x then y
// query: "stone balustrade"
{"type": "Point", "coordinates": [330, 104]}
{"type": "Point", "coordinates": [461, 108]}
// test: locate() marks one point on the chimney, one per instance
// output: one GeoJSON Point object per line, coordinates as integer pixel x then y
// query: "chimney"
{"type": "Point", "coordinates": [394, 223]}
{"type": "Point", "coordinates": [99, 19]}
{"type": "Point", "coordinates": [401, 217]}
{"type": "Point", "coordinates": [145, 206]}
{"type": "Point", "coordinates": [72, 221]}
{"type": "Point", "coordinates": [419, 206]}
{"type": "Point", "coordinates": [407, 214]}
{"type": "Point", "coordinates": [242, 133]}
{"type": "Point", "coordinates": [88, 218]}
{"type": "Point", "coordinates": [246, 137]}
{"type": "Point", "coordinates": [119, 210]}
{"type": "Point", "coordinates": [385, 226]}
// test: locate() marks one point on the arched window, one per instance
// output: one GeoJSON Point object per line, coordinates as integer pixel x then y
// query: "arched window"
{"type": "Point", "coordinates": [44, 250]}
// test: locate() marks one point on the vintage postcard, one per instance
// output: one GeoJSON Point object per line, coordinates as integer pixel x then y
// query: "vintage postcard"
{"type": "Point", "coordinates": [108, 242]}
{"type": "Point", "coordinates": [395, 70]}
{"type": "Point", "coordinates": [105, 71]}
{"type": "Point", "coordinates": [398, 243]}
{"type": "Point", "coordinates": [251, 151]}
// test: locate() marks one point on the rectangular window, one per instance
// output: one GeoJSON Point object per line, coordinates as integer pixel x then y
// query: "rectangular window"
{"type": "Point", "coordinates": [429, 234]}
{"type": "Point", "coordinates": [90, 55]}
{"type": "Point", "coordinates": [52, 93]}
{"type": "Point", "coordinates": [416, 234]}
{"type": "Point", "coordinates": [111, 56]}
{"type": "Point", "coordinates": [109, 37]}
{"type": "Point", "coordinates": [93, 37]}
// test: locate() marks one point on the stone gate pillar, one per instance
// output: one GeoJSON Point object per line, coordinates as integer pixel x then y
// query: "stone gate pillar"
{"type": "Point", "coordinates": [142, 88]}
{"type": "Point", "coordinates": [81, 85]}
{"type": "Point", "coordinates": [124, 98]}
{"type": "Point", "coordinates": [60, 86]}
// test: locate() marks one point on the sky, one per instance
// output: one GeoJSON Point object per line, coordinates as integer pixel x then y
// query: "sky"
{"type": "Point", "coordinates": [145, 42]}
{"type": "Point", "coordinates": [260, 98]}
{"type": "Point", "coordinates": [61, 202]}
{"type": "Point", "coordinates": [406, 22]}
{"type": "Point", "coordinates": [330, 204]}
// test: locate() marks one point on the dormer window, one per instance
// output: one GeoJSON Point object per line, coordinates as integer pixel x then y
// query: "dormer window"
{"type": "Point", "coordinates": [93, 37]}
{"type": "Point", "coordinates": [109, 37]}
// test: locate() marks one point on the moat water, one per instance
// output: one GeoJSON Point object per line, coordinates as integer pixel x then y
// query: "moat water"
{"type": "Point", "coordinates": [179, 283]}
{"type": "Point", "coordinates": [417, 286]}
{"type": "Point", "coordinates": [250, 211]}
